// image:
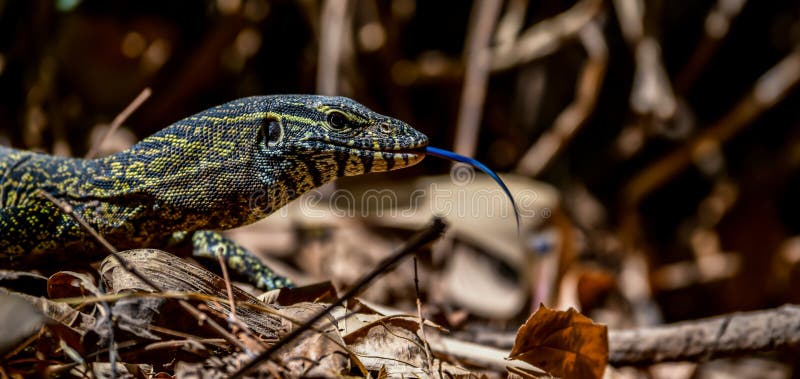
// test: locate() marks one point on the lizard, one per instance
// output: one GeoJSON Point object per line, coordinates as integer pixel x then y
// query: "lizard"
{"type": "Point", "coordinates": [225, 167]}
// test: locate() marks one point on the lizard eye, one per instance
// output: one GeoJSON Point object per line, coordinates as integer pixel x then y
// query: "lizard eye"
{"type": "Point", "coordinates": [337, 120]}
{"type": "Point", "coordinates": [274, 132]}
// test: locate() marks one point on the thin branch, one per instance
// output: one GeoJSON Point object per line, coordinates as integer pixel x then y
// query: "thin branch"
{"type": "Point", "coordinates": [224, 268]}
{"type": "Point", "coordinates": [544, 37]}
{"type": "Point", "coordinates": [478, 59]}
{"type": "Point", "coordinates": [630, 16]}
{"type": "Point", "coordinates": [422, 238]}
{"type": "Point", "coordinates": [717, 26]}
{"type": "Point", "coordinates": [332, 31]}
{"type": "Point", "coordinates": [117, 122]}
{"type": "Point", "coordinates": [510, 24]}
{"type": "Point", "coordinates": [768, 90]}
{"type": "Point", "coordinates": [652, 93]}
{"type": "Point", "coordinates": [775, 329]}
{"type": "Point", "coordinates": [575, 115]}
{"type": "Point", "coordinates": [426, 346]}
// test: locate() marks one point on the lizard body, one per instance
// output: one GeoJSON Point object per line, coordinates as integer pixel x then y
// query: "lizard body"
{"type": "Point", "coordinates": [228, 166]}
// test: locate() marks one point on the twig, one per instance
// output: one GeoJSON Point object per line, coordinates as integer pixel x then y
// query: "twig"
{"type": "Point", "coordinates": [732, 334]}
{"type": "Point", "coordinates": [544, 37]}
{"type": "Point", "coordinates": [716, 28]}
{"type": "Point", "coordinates": [416, 242]}
{"type": "Point", "coordinates": [478, 354]}
{"type": "Point", "coordinates": [238, 327]}
{"type": "Point", "coordinates": [175, 344]}
{"type": "Point", "coordinates": [768, 90]}
{"type": "Point", "coordinates": [776, 329]}
{"type": "Point", "coordinates": [422, 334]}
{"type": "Point", "coordinates": [509, 25]}
{"type": "Point", "coordinates": [112, 344]}
{"type": "Point", "coordinates": [332, 27]}
{"type": "Point", "coordinates": [224, 268]}
{"type": "Point", "coordinates": [478, 57]}
{"type": "Point", "coordinates": [652, 100]}
{"type": "Point", "coordinates": [630, 16]}
{"type": "Point", "coordinates": [199, 316]}
{"type": "Point", "coordinates": [575, 115]}
{"type": "Point", "coordinates": [652, 93]}
{"type": "Point", "coordinates": [117, 122]}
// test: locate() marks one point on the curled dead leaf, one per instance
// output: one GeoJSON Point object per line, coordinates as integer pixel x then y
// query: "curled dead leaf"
{"type": "Point", "coordinates": [567, 344]}
{"type": "Point", "coordinates": [65, 284]}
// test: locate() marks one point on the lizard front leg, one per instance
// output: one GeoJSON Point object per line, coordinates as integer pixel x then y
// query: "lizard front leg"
{"type": "Point", "coordinates": [210, 244]}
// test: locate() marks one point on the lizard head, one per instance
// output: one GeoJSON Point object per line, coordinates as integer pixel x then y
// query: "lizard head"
{"type": "Point", "coordinates": [336, 136]}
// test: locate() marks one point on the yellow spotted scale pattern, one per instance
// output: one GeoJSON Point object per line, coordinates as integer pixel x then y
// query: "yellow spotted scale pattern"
{"type": "Point", "coordinates": [228, 166]}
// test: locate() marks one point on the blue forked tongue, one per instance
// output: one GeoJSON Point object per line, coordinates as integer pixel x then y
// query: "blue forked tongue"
{"type": "Point", "coordinates": [449, 155]}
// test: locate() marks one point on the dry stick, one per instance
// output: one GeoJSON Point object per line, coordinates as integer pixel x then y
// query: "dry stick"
{"type": "Point", "coordinates": [422, 238]}
{"type": "Point", "coordinates": [509, 25]}
{"type": "Point", "coordinates": [544, 37]}
{"type": "Point", "coordinates": [717, 26]}
{"type": "Point", "coordinates": [332, 27]}
{"type": "Point", "coordinates": [423, 335]}
{"type": "Point", "coordinates": [121, 117]}
{"type": "Point", "coordinates": [776, 329]}
{"type": "Point", "coordinates": [238, 327]}
{"type": "Point", "coordinates": [199, 316]}
{"type": "Point", "coordinates": [768, 90]}
{"type": "Point", "coordinates": [187, 336]}
{"type": "Point", "coordinates": [331, 35]}
{"type": "Point", "coordinates": [630, 16]}
{"type": "Point", "coordinates": [113, 349]}
{"type": "Point", "coordinates": [574, 116]}
{"type": "Point", "coordinates": [224, 268]}
{"type": "Point", "coordinates": [651, 96]}
{"type": "Point", "coordinates": [21, 346]}
{"type": "Point", "coordinates": [478, 59]}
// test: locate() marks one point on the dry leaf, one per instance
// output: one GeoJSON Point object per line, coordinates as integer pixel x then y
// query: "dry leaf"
{"type": "Point", "coordinates": [175, 274]}
{"type": "Point", "coordinates": [313, 354]}
{"type": "Point", "coordinates": [25, 318]}
{"type": "Point", "coordinates": [392, 347]}
{"type": "Point", "coordinates": [60, 312]}
{"type": "Point", "coordinates": [567, 344]}
{"type": "Point", "coordinates": [24, 282]}
{"type": "Point", "coordinates": [71, 284]}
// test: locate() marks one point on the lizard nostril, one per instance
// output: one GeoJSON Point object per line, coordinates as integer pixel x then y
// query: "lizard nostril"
{"type": "Point", "coordinates": [385, 128]}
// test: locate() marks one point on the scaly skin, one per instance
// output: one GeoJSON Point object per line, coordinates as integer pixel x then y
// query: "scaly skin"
{"type": "Point", "coordinates": [228, 166]}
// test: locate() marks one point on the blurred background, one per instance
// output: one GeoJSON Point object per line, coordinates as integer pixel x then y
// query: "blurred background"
{"type": "Point", "coordinates": [661, 135]}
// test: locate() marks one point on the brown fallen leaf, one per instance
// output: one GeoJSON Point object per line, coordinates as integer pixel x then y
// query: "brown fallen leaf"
{"type": "Point", "coordinates": [314, 354]}
{"type": "Point", "coordinates": [176, 274]}
{"type": "Point", "coordinates": [567, 344]}
{"type": "Point", "coordinates": [65, 284]}
{"type": "Point", "coordinates": [21, 318]}
{"type": "Point", "coordinates": [391, 346]}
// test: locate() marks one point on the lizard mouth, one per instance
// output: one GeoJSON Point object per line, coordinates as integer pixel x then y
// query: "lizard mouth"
{"type": "Point", "coordinates": [395, 157]}
{"type": "Point", "coordinates": [398, 158]}
{"type": "Point", "coordinates": [411, 153]}
{"type": "Point", "coordinates": [403, 157]}
{"type": "Point", "coordinates": [414, 151]}
{"type": "Point", "coordinates": [386, 159]}
{"type": "Point", "coordinates": [406, 152]}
